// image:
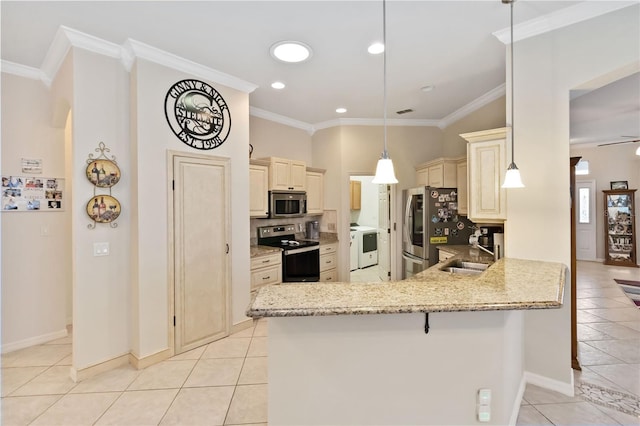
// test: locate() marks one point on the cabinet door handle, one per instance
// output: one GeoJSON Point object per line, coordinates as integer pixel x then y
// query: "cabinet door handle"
{"type": "Point", "coordinates": [267, 277]}
{"type": "Point", "coordinates": [266, 261]}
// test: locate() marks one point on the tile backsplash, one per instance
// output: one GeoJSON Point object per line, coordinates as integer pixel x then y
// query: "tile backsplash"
{"type": "Point", "coordinates": [328, 223]}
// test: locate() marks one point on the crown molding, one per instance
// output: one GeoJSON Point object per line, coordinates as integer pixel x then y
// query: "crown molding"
{"type": "Point", "coordinates": [561, 18]}
{"type": "Point", "coordinates": [136, 49]}
{"type": "Point", "coordinates": [66, 38]}
{"type": "Point", "coordinates": [476, 104]}
{"type": "Point", "coordinates": [22, 70]}
{"type": "Point", "coordinates": [260, 113]}
{"type": "Point", "coordinates": [396, 122]}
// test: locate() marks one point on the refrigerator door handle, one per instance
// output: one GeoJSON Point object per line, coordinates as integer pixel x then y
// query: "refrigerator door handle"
{"type": "Point", "coordinates": [408, 220]}
{"type": "Point", "coordinates": [412, 259]}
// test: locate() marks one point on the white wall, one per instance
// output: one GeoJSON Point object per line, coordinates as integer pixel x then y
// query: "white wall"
{"type": "Point", "coordinates": [151, 140]}
{"type": "Point", "coordinates": [384, 369]}
{"type": "Point", "coordinates": [607, 164]}
{"type": "Point", "coordinates": [368, 213]}
{"type": "Point", "coordinates": [101, 292]}
{"type": "Point", "coordinates": [271, 139]}
{"type": "Point", "coordinates": [547, 67]}
{"type": "Point", "coordinates": [36, 268]}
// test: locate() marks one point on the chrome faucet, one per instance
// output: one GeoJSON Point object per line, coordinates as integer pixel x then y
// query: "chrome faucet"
{"type": "Point", "coordinates": [495, 253]}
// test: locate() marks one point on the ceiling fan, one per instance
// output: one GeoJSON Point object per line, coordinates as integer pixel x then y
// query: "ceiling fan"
{"type": "Point", "coordinates": [633, 139]}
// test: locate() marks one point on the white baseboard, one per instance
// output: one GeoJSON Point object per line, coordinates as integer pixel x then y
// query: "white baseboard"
{"type": "Point", "coordinates": [85, 373]}
{"type": "Point", "coordinates": [144, 362]}
{"type": "Point", "coordinates": [550, 384]}
{"type": "Point", "coordinates": [31, 341]}
{"type": "Point", "coordinates": [543, 382]}
{"type": "Point", "coordinates": [515, 410]}
{"type": "Point", "coordinates": [242, 325]}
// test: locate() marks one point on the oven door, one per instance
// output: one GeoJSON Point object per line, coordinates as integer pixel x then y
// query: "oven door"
{"type": "Point", "coordinates": [301, 265]}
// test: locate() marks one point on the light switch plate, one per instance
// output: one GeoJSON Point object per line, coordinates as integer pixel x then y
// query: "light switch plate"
{"type": "Point", "coordinates": [101, 249]}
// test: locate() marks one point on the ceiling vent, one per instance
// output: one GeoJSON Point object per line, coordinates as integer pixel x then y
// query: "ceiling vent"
{"type": "Point", "coordinates": [404, 111]}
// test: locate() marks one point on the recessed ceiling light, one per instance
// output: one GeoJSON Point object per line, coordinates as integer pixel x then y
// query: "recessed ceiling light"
{"type": "Point", "coordinates": [277, 85]}
{"type": "Point", "coordinates": [341, 110]}
{"type": "Point", "coordinates": [376, 48]}
{"type": "Point", "coordinates": [427, 88]}
{"type": "Point", "coordinates": [290, 51]}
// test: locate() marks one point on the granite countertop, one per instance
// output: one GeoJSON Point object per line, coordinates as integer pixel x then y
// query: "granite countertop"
{"type": "Point", "coordinates": [257, 251]}
{"type": "Point", "coordinates": [509, 284]}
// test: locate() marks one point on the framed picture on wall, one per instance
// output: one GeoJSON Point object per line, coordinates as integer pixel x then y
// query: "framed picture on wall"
{"type": "Point", "coordinates": [619, 184]}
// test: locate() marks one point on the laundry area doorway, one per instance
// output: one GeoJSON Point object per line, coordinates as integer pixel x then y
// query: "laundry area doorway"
{"type": "Point", "coordinates": [369, 255]}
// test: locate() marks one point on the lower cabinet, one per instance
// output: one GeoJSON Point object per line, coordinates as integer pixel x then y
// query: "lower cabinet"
{"type": "Point", "coordinates": [444, 255]}
{"type": "Point", "coordinates": [329, 262]}
{"type": "Point", "coordinates": [265, 270]}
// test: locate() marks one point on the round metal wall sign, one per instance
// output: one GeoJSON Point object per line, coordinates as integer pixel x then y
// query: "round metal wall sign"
{"type": "Point", "coordinates": [197, 114]}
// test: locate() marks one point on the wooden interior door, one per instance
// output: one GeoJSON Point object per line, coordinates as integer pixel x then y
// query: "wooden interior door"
{"type": "Point", "coordinates": [384, 232]}
{"type": "Point", "coordinates": [575, 364]}
{"type": "Point", "coordinates": [201, 261]}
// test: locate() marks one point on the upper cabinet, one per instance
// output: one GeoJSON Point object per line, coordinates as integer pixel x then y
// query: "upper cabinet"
{"type": "Point", "coordinates": [486, 165]}
{"type": "Point", "coordinates": [440, 173]}
{"type": "Point", "coordinates": [315, 190]}
{"type": "Point", "coordinates": [258, 188]}
{"type": "Point", "coordinates": [355, 193]}
{"type": "Point", "coordinates": [463, 193]}
{"type": "Point", "coordinates": [286, 174]}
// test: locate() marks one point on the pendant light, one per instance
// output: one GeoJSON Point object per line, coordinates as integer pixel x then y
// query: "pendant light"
{"type": "Point", "coordinates": [384, 169]}
{"type": "Point", "coordinates": [512, 178]}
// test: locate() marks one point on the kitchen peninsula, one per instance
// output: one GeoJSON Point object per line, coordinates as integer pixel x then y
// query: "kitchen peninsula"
{"type": "Point", "coordinates": [427, 346]}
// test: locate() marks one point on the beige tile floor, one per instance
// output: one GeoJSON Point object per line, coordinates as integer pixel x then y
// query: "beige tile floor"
{"type": "Point", "coordinates": [225, 382]}
{"type": "Point", "coordinates": [365, 275]}
{"type": "Point", "coordinates": [608, 351]}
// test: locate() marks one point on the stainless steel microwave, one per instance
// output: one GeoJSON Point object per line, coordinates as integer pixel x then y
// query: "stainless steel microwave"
{"type": "Point", "coordinates": [287, 204]}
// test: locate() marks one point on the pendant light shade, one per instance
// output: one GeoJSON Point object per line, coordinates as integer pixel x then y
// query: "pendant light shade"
{"type": "Point", "coordinates": [512, 178]}
{"type": "Point", "coordinates": [384, 169]}
{"type": "Point", "coordinates": [638, 151]}
{"type": "Point", "coordinates": [384, 172]}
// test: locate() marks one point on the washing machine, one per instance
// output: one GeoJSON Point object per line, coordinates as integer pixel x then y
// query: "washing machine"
{"type": "Point", "coordinates": [353, 251]}
{"type": "Point", "coordinates": [367, 238]}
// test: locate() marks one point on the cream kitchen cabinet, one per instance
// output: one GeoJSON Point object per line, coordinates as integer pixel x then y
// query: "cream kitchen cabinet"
{"type": "Point", "coordinates": [440, 173]}
{"type": "Point", "coordinates": [463, 195]}
{"type": "Point", "coordinates": [286, 174]}
{"type": "Point", "coordinates": [355, 194]}
{"type": "Point", "coordinates": [266, 269]}
{"type": "Point", "coordinates": [315, 190]}
{"type": "Point", "coordinates": [258, 188]}
{"type": "Point", "coordinates": [487, 164]}
{"type": "Point", "coordinates": [329, 262]}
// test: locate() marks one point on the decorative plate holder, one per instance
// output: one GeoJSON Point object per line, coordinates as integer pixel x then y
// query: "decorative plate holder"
{"type": "Point", "coordinates": [103, 173]}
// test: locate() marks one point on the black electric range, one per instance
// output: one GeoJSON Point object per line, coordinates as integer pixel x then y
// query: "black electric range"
{"type": "Point", "coordinates": [300, 258]}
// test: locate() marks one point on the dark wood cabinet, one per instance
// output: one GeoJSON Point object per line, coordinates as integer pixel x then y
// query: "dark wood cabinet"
{"type": "Point", "coordinates": [619, 227]}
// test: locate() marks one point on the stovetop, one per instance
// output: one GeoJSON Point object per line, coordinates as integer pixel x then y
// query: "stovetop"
{"type": "Point", "coordinates": [282, 236]}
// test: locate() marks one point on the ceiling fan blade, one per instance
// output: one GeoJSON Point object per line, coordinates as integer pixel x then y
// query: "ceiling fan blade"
{"type": "Point", "coordinates": [620, 142]}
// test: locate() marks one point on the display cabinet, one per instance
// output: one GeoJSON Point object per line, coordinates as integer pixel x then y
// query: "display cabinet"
{"type": "Point", "coordinates": [619, 215]}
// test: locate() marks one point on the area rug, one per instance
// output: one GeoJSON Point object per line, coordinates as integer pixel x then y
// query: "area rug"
{"type": "Point", "coordinates": [620, 401]}
{"type": "Point", "coordinates": [631, 290]}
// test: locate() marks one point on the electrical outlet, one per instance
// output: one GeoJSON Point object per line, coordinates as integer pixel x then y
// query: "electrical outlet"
{"type": "Point", "coordinates": [484, 405]}
{"type": "Point", "coordinates": [332, 226]}
{"type": "Point", "coordinates": [101, 249]}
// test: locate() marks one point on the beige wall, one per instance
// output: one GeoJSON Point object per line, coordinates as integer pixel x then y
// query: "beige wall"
{"type": "Point", "coordinates": [36, 268]}
{"type": "Point", "coordinates": [606, 164]}
{"type": "Point", "coordinates": [150, 143]}
{"type": "Point", "coordinates": [490, 116]}
{"type": "Point", "coordinates": [271, 139]}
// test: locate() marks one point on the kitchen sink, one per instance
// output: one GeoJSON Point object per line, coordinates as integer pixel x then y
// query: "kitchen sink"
{"type": "Point", "coordinates": [465, 267]}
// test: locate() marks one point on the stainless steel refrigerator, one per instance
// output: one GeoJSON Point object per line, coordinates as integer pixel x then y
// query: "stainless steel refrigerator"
{"type": "Point", "coordinates": [431, 219]}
